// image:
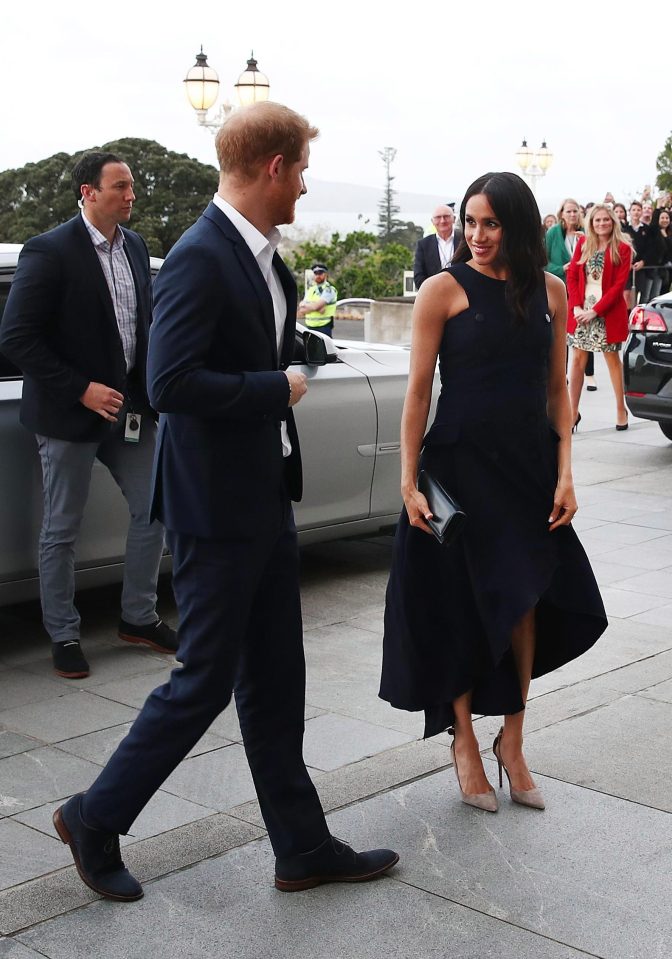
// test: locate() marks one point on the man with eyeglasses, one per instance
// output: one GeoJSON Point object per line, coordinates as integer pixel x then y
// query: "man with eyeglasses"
{"type": "Point", "coordinates": [435, 252]}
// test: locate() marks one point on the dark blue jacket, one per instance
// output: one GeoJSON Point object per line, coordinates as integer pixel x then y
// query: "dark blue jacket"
{"type": "Point", "coordinates": [215, 376]}
{"type": "Point", "coordinates": [60, 329]}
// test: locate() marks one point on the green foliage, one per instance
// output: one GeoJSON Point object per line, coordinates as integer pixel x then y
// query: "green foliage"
{"type": "Point", "coordinates": [664, 166]}
{"type": "Point", "coordinates": [171, 189]}
{"type": "Point", "coordinates": [359, 264]}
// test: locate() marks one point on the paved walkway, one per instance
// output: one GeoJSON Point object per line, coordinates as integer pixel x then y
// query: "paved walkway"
{"type": "Point", "coordinates": [590, 876]}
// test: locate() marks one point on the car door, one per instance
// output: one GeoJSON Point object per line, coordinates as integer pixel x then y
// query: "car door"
{"type": "Point", "coordinates": [334, 419]}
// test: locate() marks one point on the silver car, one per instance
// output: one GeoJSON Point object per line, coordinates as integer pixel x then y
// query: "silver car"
{"type": "Point", "coordinates": [349, 430]}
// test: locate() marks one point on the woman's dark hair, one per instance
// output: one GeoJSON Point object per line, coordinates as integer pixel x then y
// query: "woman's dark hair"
{"type": "Point", "coordinates": [88, 170]}
{"type": "Point", "coordinates": [655, 219]}
{"type": "Point", "coordinates": [523, 250]}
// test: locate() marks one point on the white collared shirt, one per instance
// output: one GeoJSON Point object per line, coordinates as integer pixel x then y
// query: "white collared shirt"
{"type": "Point", "coordinates": [446, 249]}
{"type": "Point", "coordinates": [263, 249]}
{"type": "Point", "coordinates": [120, 283]}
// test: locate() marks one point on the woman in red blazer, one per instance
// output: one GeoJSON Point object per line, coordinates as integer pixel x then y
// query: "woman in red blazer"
{"type": "Point", "coordinates": [598, 316]}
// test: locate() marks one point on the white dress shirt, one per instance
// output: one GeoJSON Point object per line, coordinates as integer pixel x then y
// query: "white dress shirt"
{"type": "Point", "coordinates": [446, 249]}
{"type": "Point", "coordinates": [262, 249]}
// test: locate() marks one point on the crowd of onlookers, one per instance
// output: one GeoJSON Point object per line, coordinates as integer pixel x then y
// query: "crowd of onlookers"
{"type": "Point", "coordinates": [646, 224]}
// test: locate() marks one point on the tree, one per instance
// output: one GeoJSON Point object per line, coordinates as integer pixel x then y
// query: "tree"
{"type": "Point", "coordinates": [171, 189]}
{"type": "Point", "coordinates": [387, 208]}
{"type": "Point", "coordinates": [664, 167]}
{"type": "Point", "coordinates": [390, 228]}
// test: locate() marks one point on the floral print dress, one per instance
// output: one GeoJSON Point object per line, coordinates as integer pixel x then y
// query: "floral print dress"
{"type": "Point", "coordinates": [592, 336]}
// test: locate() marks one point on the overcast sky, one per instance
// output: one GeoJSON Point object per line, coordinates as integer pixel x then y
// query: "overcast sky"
{"type": "Point", "coordinates": [453, 86]}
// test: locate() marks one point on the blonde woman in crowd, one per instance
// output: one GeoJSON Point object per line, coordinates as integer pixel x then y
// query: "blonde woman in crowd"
{"type": "Point", "coordinates": [598, 317]}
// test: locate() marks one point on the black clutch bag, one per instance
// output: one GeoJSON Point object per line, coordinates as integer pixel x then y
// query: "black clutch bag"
{"type": "Point", "coordinates": [448, 517]}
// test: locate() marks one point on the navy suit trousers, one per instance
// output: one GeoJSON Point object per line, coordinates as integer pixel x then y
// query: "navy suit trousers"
{"type": "Point", "coordinates": [240, 629]}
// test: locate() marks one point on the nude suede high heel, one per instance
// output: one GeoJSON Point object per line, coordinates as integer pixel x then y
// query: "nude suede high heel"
{"type": "Point", "coordinates": [486, 801]}
{"type": "Point", "coordinates": [526, 797]}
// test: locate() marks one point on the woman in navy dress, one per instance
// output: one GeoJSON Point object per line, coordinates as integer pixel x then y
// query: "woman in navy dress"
{"type": "Point", "coordinates": [467, 626]}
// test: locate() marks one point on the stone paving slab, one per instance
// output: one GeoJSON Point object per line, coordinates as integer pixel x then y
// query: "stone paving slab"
{"type": "Point", "coordinates": [623, 603]}
{"type": "Point", "coordinates": [19, 687]}
{"type": "Point", "coordinates": [41, 775]}
{"type": "Point", "coordinates": [227, 909]}
{"type": "Point", "coordinates": [11, 949]}
{"type": "Point", "coordinates": [97, 747]}
{"type": "Point", "coordinates": [360, 780]}
{"type": "Point", "coordinates": [74, 714]}
{"type": "Point", "coordinates": [332, 741]}
{"type": "Point", "coordinates": [591, 871]}
{"type": "Point", "coordinates": [109, 661]}
{"type": "Point", "coordinates": [661, 691]}
{"type": "Point", "coordinates": [593, 473]}
{"type": "Point", "coordinates": [652, 555]}
{"type": "Point", "coordinates": [608, 573]}
{"type": "Point", "coordinates": [623, 748]}
{"type": "Point", "coordinates": [620, 534]}
{"type": "Point", "coordinates": [163, 813]}
{"type": "Point", "coordinates": [654, 482]}
{"type": "Point", "coordinates": [660, 616]}
{"type": "Point", "coordinates": [13, 743]}
{"type": "Point", "coordinates": [63, 891]}
{"type": "Point", "coordinates": [358, 699]}
{"type": "Point", "coordinates": [622, 644]}
{"type": "Point", "coordinates": [654, 582]}
{"type": "Point", "coordinates": [134, 690]}
{"type": "Point", "coordinates": [220, 779]}
{"type": "Point", "coordinates": [28, 852]}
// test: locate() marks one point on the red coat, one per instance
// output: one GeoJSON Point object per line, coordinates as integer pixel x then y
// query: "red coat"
{"type": "Point", "coordinates": [611, 307]}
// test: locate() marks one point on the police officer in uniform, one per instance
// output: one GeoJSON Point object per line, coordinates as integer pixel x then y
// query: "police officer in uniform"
{"type": "Point", "coordinates": [318, 308]}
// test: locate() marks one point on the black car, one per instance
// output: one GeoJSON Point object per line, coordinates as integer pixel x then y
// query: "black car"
{"type": "Point", "coordinates": [647, 362]}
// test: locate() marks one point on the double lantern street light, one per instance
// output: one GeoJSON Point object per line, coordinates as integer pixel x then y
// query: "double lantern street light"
{"type": "Point", "coordinates": [202, 86]}
{"type": "Point", "coordinates": [534, 164]}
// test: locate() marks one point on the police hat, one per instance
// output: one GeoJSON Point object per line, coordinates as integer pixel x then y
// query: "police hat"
{"type": "Point", "coordinates": [319, 268]}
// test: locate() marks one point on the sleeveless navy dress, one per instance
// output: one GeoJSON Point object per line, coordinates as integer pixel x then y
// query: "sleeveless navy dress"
{"type": "Point", "coordinates": [450, 610]}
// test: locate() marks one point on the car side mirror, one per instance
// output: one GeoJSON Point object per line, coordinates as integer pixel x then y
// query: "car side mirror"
{"type": "Point", "coordinates": [315, 349]}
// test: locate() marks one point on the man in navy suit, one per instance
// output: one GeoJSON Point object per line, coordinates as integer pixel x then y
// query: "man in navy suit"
{"type": "Point", "coordinates": [435, 252]}
{"type": "Point", "coordinates": [77, 324]}
{"type": "Point", "coordinates": [227, 467]}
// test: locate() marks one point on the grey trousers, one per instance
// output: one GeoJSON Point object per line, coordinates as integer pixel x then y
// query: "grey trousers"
{"type": "Point", "coordinates": [66, 477]}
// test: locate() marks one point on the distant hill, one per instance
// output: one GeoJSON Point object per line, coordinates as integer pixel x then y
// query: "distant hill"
{"type": "Point", "coordinates": [352, 198]}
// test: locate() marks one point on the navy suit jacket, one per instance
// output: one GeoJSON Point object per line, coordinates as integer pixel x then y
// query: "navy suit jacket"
{"type": "Point", "coordinates": [427, 259]}
{"type": "Point", "coordinates": [60, 329]}
{"type": "Point", "coordinates": [215, 376]}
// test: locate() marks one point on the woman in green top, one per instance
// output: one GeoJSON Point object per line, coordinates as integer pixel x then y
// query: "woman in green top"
{"type": "Point", "coordinates": [560, 243]}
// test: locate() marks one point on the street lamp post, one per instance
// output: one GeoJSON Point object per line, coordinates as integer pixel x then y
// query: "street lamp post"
{"type": "Point", "coordinates": [534, 164]}
{"type": "Point", "coordinates": [202, 86]}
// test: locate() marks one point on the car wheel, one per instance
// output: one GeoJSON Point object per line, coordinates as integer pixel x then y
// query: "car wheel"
{"type": "Point", "coordinates": [666, 427]}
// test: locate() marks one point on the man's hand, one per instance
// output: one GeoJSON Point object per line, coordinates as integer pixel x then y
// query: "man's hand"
{"type": "Point", "coordinates": [638, 265]}
{"type": "Point", "coordinates": [299, 386]}
{"type": "Point", "coordinates": [103, 400]}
